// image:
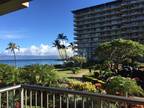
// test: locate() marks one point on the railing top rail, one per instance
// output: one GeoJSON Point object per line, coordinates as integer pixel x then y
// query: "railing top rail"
{"type": "Point", "coordinates": [84, 93]}
{"type": "Point", "coordinates": [9, 88]}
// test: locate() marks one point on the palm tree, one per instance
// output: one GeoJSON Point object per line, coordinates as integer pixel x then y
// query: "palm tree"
{"type": "Point", "coordinates": [57, 44]}
{"type": "Point", "coordinates": [12, 47]}
{"type": "Point", "coordinates": [62, 38]}
{"type": "Point", "coordinates": [72, 45]}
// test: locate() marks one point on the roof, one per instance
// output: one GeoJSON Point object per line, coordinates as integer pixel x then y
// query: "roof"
{"type": "Point", "coordinates": [7, 6]}
{"type": "Point", "coordinates": [96, 6]}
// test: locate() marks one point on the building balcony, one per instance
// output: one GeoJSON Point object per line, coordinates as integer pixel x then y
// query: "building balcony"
{"type": "Point", "coordinates": [136, 8]}
{"type": "Point", "coordinates": [131, 2]}
{"type": "Point", "coordinates": [132, 14]}
{"type": "Point", "coordinates": [132, 20]}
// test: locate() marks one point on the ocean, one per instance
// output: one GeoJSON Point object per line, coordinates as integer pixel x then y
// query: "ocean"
{"type": "Point", "coordinates": [23, 62]}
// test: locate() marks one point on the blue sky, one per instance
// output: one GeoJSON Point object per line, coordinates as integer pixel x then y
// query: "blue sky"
{"type": "Point", "coordinates": [39, 24]}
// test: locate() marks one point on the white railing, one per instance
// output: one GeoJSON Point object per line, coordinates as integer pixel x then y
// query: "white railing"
{"type": "Point", "coordinates": [8, 96]}
{"type": "Point", "coordinates": [28, 96]}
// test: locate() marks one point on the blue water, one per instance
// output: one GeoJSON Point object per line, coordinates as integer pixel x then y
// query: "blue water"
{"type": "Point", "coordinates": [21, 63]}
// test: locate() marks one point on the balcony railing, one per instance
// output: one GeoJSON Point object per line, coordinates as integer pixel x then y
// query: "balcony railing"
{"type": "Point", "coordinates": [27, 96]}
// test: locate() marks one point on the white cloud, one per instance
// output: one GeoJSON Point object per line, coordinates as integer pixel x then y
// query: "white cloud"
{"type": "Point", "coordinates": [41, 50]}
{"type": "Point", "coordinates": [10, 36]}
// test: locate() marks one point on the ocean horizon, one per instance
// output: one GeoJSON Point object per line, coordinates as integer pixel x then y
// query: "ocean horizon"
{"type": "Point", "coordinates": [24, 62]}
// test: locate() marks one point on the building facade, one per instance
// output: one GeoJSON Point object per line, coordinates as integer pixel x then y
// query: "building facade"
{"type": "Point", "coordinates": [108, 21]}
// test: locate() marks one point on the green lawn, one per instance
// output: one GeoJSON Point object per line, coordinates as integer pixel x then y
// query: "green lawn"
{"type": "Point", "coordinates": [69, 73]}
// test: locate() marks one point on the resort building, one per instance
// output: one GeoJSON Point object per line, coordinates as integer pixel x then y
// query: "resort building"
{"type": "Point", "coordinates": [7, 6]}
{"type": "Point", "coordinates": [108, 21]}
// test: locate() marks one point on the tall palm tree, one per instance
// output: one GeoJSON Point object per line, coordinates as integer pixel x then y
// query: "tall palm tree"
{"type": "Point", "coordinates": [57, 44]}
{"type": "Point", "coordinates": [72, 45]}
{"type": "Point", "coordinates": [12, 47]}
{"type": "Point", "coordinates": [62, 38]}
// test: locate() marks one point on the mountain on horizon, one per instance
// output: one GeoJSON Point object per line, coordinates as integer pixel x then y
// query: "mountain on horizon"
{"type": "Point", "coordinates": [23, 57]}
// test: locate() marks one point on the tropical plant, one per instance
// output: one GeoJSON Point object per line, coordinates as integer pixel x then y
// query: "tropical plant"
{"type": "Point", "coordinates": [57, 44]}
{"type": "Point", "coordinates": [123, 86]}
{"type": "Point", "coordinates": [119, 50]}
{"type": "Point", "coordinates": [78, 60]}
{"type": "Point", "coordinates": [75, 70]}
{"type": "Point", "coordinates": [9, 75]}
{"type": "Point", "coordinates": [91, 78]}
{"type": "Point", "coordinates": [63, 39]}
{"type": "Point", "coordinates": [82, 86]}
{"type": "Point", "coordinates": [12, 47]}
{"type": "Point", "coordinates": [40, 74]}
{"type": "Point", "coordinates": [72, 45]}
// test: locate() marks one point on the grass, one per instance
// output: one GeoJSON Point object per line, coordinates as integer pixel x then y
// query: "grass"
{"type": "Point", "coordinates": [68, 73]}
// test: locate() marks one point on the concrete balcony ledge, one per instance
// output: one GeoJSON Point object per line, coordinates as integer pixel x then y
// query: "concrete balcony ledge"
{"type": "Point", "coordinates": [7, 6]}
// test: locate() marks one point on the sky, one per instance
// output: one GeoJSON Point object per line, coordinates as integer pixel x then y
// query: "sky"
{"type": "Point", "coordinates": [35, 28]}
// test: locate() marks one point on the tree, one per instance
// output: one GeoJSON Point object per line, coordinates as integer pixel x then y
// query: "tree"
{"type": "Point", "coordinates": [9, 74]}
{"type": "Point", "coordinates": [57, 44]}
{"type": "Point", "coordinates": [12, 47]}
{"type": "Point", "coordinates": [119, 50]}
{"type": "Point", "coordinates": [72, 45]}
{"type": "Point", "coordinates": [124, 86]}
{"type": "Point", "coordinates": [62, 39]}
{"type": "Point", "coordinates": [78, 60]}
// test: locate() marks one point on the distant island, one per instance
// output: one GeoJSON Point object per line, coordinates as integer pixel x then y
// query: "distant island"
{"type": "Point", "coordinates": [29, 57]}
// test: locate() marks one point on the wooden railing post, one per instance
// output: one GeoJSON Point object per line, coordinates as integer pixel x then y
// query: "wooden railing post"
{"type": "Point", "coordinates": [101, 103]}
{"type": "Point", "coordinates": [22, 98]}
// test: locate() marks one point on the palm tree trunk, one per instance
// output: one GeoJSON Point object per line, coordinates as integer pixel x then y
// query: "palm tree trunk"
{"type": "Point", "coordinates": [14, 58]}
{"type": "Point", "coordinates": [60, 54]}
{"type": "Point", "coordinates": [66, 56]}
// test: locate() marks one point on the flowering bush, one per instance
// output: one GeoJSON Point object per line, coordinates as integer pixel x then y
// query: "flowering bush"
{"type": "Point", "coordinates": [86, 86]}
{"type": "Point", "coordinates": [123, 85]}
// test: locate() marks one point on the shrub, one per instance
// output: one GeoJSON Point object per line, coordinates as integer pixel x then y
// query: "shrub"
{"type": "Point", "coordinates": [68, 64]}
{"type": "Point", "coordinates": [96, 74]}
{"type": "Point", "coordinates": [9, 74]}
{"type": "Point", "coordinates": [123, 85]}
{"type": "Point", "coordinates": [31, 74]}
{"type": "Point", "coordinates": [78, 60]}
{"type": "Point", "coordinates": [92, 79]}
{"type": "Point", "coordinates": [82, 86]}
{"type": "Point", "coordinates": [75, 70]}
{"type": "Point", "coordinates": [40, 74]}
{"type": "Point", "coordinates": [105, 74]}
{"type": "Point", "coordinates": [58, 66]}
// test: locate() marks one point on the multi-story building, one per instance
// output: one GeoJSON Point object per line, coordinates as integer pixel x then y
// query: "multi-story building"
{"type": "Point", "coordinates": [104, 22]}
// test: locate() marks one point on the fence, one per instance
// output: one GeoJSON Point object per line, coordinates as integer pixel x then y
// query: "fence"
{"type": "Point", "coordinates": [30, 96]}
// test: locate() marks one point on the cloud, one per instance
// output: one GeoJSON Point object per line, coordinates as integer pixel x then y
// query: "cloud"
{"type": "Point", "coordinates": [41, 50]}
{"type": "Point", "coordinates": [10, 36]}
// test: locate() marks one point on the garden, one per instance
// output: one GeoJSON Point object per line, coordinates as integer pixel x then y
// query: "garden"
{"type": "Point", "coordinates": [118, 70]}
